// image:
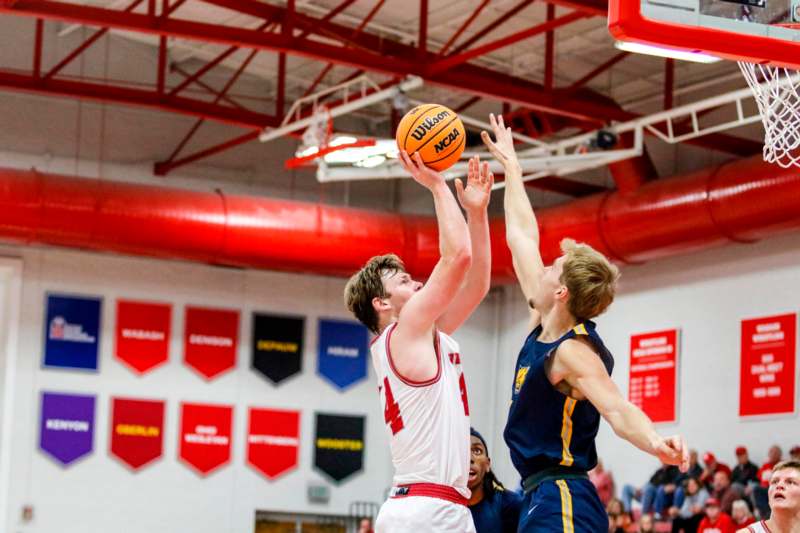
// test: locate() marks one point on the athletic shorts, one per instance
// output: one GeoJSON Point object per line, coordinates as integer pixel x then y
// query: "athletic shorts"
{"type": "Point", "coordinates": [423, 514]}
{"type": "Point", "coordinates": [563, 506]}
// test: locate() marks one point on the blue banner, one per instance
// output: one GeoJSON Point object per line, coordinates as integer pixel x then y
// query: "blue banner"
{"type": "Point", "coordinates": [72, 332]}
{"type": "Point", "coordinates": [343, 347]}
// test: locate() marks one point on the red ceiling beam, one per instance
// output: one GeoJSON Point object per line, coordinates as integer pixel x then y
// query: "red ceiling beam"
{"type": "Point", "coordinates": [207, 87]}
{"type": "Point", "coordinates": [492, 26]}
{"type": "Point", "coordinates": [466, 24]}
{"type": "Point", "coordinates": [332, 13]}
{"type": "Point", "coordinates": [163, 168]}
{"type": "Point", "coordinates": [422, 40]}
{"type": "Point", "coordinates": [549, 50]}
{"type": "Point", "coordinates": [669, 82]}
{"type": "Point", "coordinates": [37, 49]}
{"type": "Point", "coordinates": [577, 84]}
{"type": "Point", "coordinates": [597, 8]}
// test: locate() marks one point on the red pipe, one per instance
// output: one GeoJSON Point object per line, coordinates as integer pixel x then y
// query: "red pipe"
{"type": "Point", "coordinates": [743, 201]}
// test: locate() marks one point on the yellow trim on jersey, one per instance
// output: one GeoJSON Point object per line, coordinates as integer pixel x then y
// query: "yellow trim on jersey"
{"type": "Point", "coordinates": [580, 329]}
{"type": "Point", "coordinates": [566, 432]}
{"type": "Point", "coordinates": [566, 506]}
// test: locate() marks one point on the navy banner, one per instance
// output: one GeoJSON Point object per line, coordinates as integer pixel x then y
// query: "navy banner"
{"type": "Point", "coordinates": [339, 445]}
{"type": "Point", "coordinates": [277, 345]}
{"type": "Point", "coordinates": [72, 331]}
{"type": "Point", "coordinates": [343, 347]}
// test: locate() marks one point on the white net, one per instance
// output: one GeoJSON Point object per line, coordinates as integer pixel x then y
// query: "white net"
{"type": "Point", "coordinates": [318, 132]}
{"type": "Point", "coordinates": [778, 99]}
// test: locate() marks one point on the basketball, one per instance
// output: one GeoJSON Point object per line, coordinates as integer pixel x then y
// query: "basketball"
{"type": "Point", "coordinates": [435, 132]}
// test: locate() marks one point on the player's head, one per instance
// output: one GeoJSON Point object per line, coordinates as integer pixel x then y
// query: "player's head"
{"type": "Point", "coordinates": [582, 280]}
{"type": "Point", "coordinates": [376, 293]}
{"type": "Point", "coordinates": [480, 466]}
{"type": "Point", "coordinates": [784, 487]}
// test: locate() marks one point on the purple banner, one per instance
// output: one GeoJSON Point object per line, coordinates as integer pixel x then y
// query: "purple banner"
{"type": "Point", "coordinates": [67, 426]}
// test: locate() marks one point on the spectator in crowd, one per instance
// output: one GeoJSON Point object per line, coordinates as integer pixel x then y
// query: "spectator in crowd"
{"type": "Point", "coordinates": [794, 453]}
{"type": "Point", "coordinates": [646, 524]}
{"type": "Point", "coordinates": [618, 519]}
{"type": "Point", "coordinates": [712, 466]}
{"type": "Point", "coordinates": [784, 501]}
{"type": "Point", "coordinates": [760, 495]}
{"type": "Point", "coordinates": [603, 482]}
{"type": "Point", "coordinates": [665, 492]}
{"type": "Point", "coordinates": [494, 509]}
{"type": "Point", "coordinates": [742, 517]}
{"type": "Point", "coordinates": [695, 470]}
{"type": "Point", "coordinates": [647, 494]}
{"type": "Point", "coordinates": [724, 491]}
{"type": "Point", "coordinates": [365, 526]}
{"type": "Point", "coordinates": [686, 518]}
{"type": "Point", "coordinates": [716, 520]}
{"type": "Point", "coordinates": [744, 474]}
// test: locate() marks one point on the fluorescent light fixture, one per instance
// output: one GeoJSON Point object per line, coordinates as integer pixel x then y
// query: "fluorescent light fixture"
{"type": "Point", "coordinates": [684, 55]}
{"type": "Point", "coordinates": [363, 156]}
{"type": "Point", "coordinates": [371, 162]}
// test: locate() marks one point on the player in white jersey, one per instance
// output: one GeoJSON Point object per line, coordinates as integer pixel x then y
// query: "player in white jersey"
{"type": "Point", "coordinates": [784, 501]}
{"type": "Point", "coordinates": [422, 388]}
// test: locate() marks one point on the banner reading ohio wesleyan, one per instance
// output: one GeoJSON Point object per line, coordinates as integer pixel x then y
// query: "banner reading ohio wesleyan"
{"type": "Point", "coordinates": [205, 435]}
{"type": "Point", "coordinates": [339, 445]}
{"type": "Point", "coordinates": [72, 331]}
{"type": "Point", "coordinates": [277, 345]}
{"type": "Point", "coordinates": [137, 431]}
{"type": "Point", "coordinates": [343, 347]}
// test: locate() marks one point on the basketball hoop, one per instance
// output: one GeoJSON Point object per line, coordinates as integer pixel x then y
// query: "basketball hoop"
{"type": "Point", "coordinates": [778, 98]}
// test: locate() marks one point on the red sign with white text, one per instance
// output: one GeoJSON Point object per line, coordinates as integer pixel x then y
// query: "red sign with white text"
{"type": "Point", "coordinates": [142, 336]}
{"type": "Point", "coordinates": [205, 436]}
{"type": "Point", "coordinates": [137, 431]}
{"type": "Point", "coordinates": [273, 440]}
{"type": "Point", "coordinates": [210, 340]}
{"type": "Point", "coordinates": [652, 383]}
{"type": "Point", "coordinates": [767, 371]}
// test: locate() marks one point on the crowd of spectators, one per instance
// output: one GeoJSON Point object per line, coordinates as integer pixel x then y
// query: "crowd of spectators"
{"type": "Point", "coordinates": [709, 497]}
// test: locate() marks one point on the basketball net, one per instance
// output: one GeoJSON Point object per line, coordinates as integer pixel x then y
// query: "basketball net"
{"type": "Point", "coordinates": [778, 99]}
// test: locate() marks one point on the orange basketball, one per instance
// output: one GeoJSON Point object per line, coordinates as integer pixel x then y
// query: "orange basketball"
{"type": "Point", "coordinates": [435, 132]}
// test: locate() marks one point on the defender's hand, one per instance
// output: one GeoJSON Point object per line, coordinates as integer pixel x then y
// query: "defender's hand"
{"type": "Point", "coordinates": [503, 146]}
{"type": "Point", "coordinates": [475, 197]}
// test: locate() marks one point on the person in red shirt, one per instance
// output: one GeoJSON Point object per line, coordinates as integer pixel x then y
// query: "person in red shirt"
{"type": "Point", "coordinates": [603, 482]}
{"type": "Point", "coordinates": [715, 520]}
{"type": "Point", "coordinates": [760, 494]}
{"type": "Point", "coordinates": [712, 466]}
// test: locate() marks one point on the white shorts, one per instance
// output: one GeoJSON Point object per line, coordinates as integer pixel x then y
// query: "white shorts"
{"type": "Point", "coordinates": [423, 514]}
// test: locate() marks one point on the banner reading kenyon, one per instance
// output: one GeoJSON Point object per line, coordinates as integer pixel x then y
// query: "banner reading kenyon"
{"type": "Point", "coordinates": [277, 345]}
{"type": "Point", "coordinates": [339, 445]}
{"type": "Point", "coordinates": [72, 331]}
{"type": "Point", "coordinates": [342, 352]}
{"type": "Point", "coordinates": [66, 430]}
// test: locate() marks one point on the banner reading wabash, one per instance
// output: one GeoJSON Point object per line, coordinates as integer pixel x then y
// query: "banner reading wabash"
{"type": "Point", "coordinates": [137, 431]}
{"type": "Point", "coordinates": [342, 352]}
{"type": "Point", "coordinates": [273, 440]}
{"type": "Point", "coordinates": [205, 436]}
{"type": "Point", "coordinates": [277, 345]}
{"type": "Point", "coordinates": [72, 331]}
{"type": "Point", "coordinates": [142, 336]}
{"type": "Point", "coordinates": [210, 340]}
{"type": "Point", "coordinates": [339, 445]}
{"type": "Point", "coordinates": [66, 430]}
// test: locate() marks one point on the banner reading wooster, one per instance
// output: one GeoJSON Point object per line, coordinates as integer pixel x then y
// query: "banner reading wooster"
{"type": "Point", "coordinates": [66, 430]}
{"type": "Point", "coordinates": [205, 436]}
{"type": "Point", "coordinates": [137, 431]}
{"type": "Point", "coordinates": [210, 340]}
{"type": "Point", "coordinates": [277, 345]}
{"type": "Point", "coordinates": [273, 440]}
{"type": "Point", "coordinates": [142, 335]}
{"type": "Point", "coordinates": [339, 445]}
{"type": "Point", "coordinates": [342, 352]}
{"type": "Point", "coordinates": [72, 331]}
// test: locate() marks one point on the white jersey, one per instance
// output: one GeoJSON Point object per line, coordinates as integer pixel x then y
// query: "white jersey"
{"type": "Point", "coordinates": [428, 422]}
{"type": "Point", "coordinates": [758, 527]}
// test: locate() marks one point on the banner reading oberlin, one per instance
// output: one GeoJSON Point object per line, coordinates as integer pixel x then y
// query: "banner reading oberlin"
{"type": "Point", "coordinates": [66, 430]}
{"type": "Point", "coordinates": [768, 363]}
{"type": "Point", "coordinates": [142, 335]}
{"type": "Point", "coordinates": [343, 349]}
{"type": "Point", "coordinates": [137, 431]}
{"type": "Point", "coordinates": [205, 436]}
{"type": "Point", "coordinates": [210, 340]}
{"type": "Point", "coordinates": [273, 440]}
{"type": "Point", "coordinates": [72, 331]}
{"type": "Point", "coordinates": [277, 345]}
{"type": "Point", "coordinates": [652, 385]}
{"type": "Point", "coordinates": [339, 445]}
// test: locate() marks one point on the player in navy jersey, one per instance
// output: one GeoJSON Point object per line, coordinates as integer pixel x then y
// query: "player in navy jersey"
{"type": "Point", "coordinates": [562, 382]}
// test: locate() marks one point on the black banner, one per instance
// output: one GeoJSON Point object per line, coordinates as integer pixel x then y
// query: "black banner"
{"type": "Point", "coordinates": [277, 345]}
{"type": "Point", "coordinates": [339, 445]}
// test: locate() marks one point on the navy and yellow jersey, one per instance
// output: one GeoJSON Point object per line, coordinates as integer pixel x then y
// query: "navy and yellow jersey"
{"type": "Point", "coordinates": [545, 427]}
{"type": "Point", "coordinates": [497, 513]}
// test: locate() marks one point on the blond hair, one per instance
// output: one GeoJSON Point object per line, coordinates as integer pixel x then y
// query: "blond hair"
{"type": "Point", "coordinates": [791, 463]}
{"type": "Point", "coordinates": [367, 284]}
{"type": "Point", "coordinates": [590, 278]}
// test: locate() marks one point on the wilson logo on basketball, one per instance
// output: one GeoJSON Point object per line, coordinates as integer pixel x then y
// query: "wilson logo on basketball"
{"type": "Point", "coordinates": [444, 143]}
{"type": "Point", "coordinates": [427, 125]}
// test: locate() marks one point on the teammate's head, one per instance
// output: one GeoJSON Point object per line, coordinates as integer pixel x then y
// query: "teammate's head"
{"type": "Point", "coordinates": [480, 467]}
{"type": "Point", "coordinates": [582, 280]}
{"type": "Point", "coordinates": [784, 487]}
{"type": "Point", "coordinates": [378, 291]}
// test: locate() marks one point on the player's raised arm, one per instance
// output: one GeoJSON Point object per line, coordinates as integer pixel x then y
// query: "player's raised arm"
{"type": "Point", "coordinates": [474, 198]}
{"type": "Point", "coordinates": [432, 300]}
{"type": "Point", "coordinates": [522, 230]}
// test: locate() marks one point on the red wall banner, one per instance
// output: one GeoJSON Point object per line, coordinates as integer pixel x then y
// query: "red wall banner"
{"type": "Point", "coordinates": [273, 440]}
{"type": "Point", "coordinates": [210, 340]}
{"type": "Point", "coordinates": [767, 371]}
{"type": "Point", "coordinates": [652, 383]}
{"type": "Point", "coordinates": [142, 334]}
{"type": "Point", "coordinates": [137, 431]}
{"type": "Point", "coordinates": [205, 436]}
